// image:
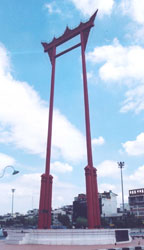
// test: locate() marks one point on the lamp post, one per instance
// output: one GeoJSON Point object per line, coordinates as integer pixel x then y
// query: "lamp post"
{"type": "Point", "coordinates": [121, 166]}
{"type": "Point", "coordinates": [9, 166]}
{"type": "Point", "coordinates": [13, 190]}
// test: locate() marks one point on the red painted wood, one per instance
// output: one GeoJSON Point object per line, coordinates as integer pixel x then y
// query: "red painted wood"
{"type": "Point", "coordinates": [46, 184]}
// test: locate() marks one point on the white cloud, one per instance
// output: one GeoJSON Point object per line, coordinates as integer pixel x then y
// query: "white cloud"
{"type": "Point", "coordinates": [98, 141]}
{"type": "Point", "coordinates": [27, 193]}
{"type": "Point", "coordinates": [139, 35]}
{"type": "Point", "coordinates": [134, 180]}
{"type": "Point", "coordinates": [135, 147]}
{"type": "Point", "coordinates": [123, 65]}
{"type": "Point", "coordinates": [52, 8]}
{"type": "Point", "coordinates": [61, 167]}
{"type": "Point", "coordinates": [24, 116]}
{"type": "Point", "coordinates": [134, 100]}
{"type": "Point", "coordinates": [88, 7]}
{"type": "Point", "coordinates": [133, 8]}
{"type": "Point", "coordinates": [68, 139]}
{"type": "Point", "coordinates": [64, 192]}
{"type": "Point", "coordinates": [131, 180]}
{"type": "Point", "coordinates": [27, 187]}
{"type": "Point", "coordinates": [119, 63]}
{"type": "Point", "coordinates": [138, 176]}
{"type": "Point", "coordinates": [6, 160]}
{"type": "Point", "coordinates": [107, 187]}
{"type": "Point", "coordinates": [108, 168]}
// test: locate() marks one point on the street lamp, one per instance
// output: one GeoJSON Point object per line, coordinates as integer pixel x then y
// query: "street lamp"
{"type": "Point", "coordinates": [9, 166]}
{"type": "Point", "coordinates": [121, 166]}
{"type": "Point", "coordinates": [13, 190]}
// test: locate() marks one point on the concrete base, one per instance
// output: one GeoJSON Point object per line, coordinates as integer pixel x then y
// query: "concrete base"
{"type": "Point", "coordinates": [66, 237]}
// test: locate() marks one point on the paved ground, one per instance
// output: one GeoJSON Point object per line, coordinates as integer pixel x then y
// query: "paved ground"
{"type": "Point", "coordinates": [3, 246]}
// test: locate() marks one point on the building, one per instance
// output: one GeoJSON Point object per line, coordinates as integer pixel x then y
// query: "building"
{"type": "Point", "coordinates": [136, 202]}
{"type": "Point", "coordinates": [126, 208]}
{"type": "Point", "coordinates": [32, 213]}
{"type": "Point", "coordinates": [55, 215]}
{"type": "Point", "coordinates": [69, 211]}
{"type": "Point", "coordinates": [108, 203]}
{"type": "Point", "coordinates": [79, 207]}
{"type": "Point", "coordinates": [66, 211]}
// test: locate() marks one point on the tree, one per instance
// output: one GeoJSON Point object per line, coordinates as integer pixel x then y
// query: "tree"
{"type": "Point", "coordinates": [81, 222]}
{"type": "Point", "coordinates": [64, 219]}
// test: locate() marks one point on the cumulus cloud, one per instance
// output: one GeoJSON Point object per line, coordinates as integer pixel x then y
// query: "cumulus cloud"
{"type": "Point", "coordinates": [98, 141]}
{"type": "Point", "coordinates": [27, 193]}
{"type": "Point", "coordinates": [27, 188]}
{"type": "Point", "coordinates": [118, 62]}
{"type": "Point", "coordinates": [88, 7]}
{"type": "Point", "coordinates": [24, 116]}
{"type": "Point", "coordinates": [6, 160]}
{"type": "Point", "coordinates": [131, 179]}
{"type": "Point", "coordinates": [134, 9]}
{"type": "Point", "coordinates": [108, 168]}
{"type": "Point", "coordinates": [107, 187]}
{"type": "Point", "coordinates": [138, 175]}
{"type": "Point", "coordinates": [136, 33]}
{"type": "Point", "coordinates": [123, 65]}
{"type": "Point", "coordinates": [61, 167]}
{"type": "Point", "coordinates": [135, 147]}
{"type": "Point", "coordinates": [67, 139]}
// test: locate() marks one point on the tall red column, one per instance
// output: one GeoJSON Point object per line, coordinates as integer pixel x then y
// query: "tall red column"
{"type": "Point", "coordinates": [44, 220]}
{"type": "Point", "coordinates": [96, 199]}
{"type": "Point", "coordinates": [90, 171]}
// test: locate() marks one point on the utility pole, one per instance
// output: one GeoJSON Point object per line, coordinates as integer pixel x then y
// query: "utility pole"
{"type": "Point", "coordinates": [13, 190]}
{"type": "Point", "coordinates": [121, 166]}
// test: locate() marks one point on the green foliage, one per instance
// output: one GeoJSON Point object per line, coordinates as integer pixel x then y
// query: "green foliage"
{"type": "Point", "coordinates": [104, 222]}
{"type": "Point", "coordinates": [125, 221]}
{"type": "Point", "coordinates": [21, 221]}
{"type": "Point", "coordinates": [132, 221]}
{"type": "Point", "coordinates": [81, 222]}
{"type": "Point", "coordinates": [9, 222]}
{"type": "Point", "coordinates": [64, 219]}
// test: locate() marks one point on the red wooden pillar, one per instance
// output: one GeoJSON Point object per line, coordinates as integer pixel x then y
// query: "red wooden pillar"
{"type": "Point", "coordinates": [41, 218]}
{"type": "Point", "coordinates": [44, 220]}
{"type": "Point", "coordinates": [91, 182]}
{"type": "Point", "coordinates": [90, 211]}
{"type": "Point", "coordinates": [96, 199]}
{"type": "Point", "coordinates": [86, 103]}
{"type": "Point", "coordinates": [49, 201]}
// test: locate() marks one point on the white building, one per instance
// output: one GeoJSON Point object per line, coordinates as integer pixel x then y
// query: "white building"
{"type": "Point", "coordinates": [32, 213]}
{"type": "Point", "coordinates": [108, 203]}
{"type": "Point", "coordinates": [55, 214]}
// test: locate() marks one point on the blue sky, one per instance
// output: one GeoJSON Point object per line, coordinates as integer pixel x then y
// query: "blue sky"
{"type": "Point", "coordinates": [115, 59]}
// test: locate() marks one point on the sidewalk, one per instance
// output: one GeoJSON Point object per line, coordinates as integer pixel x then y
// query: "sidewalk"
{"type": "Point", "coordinates": [134, 243]}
